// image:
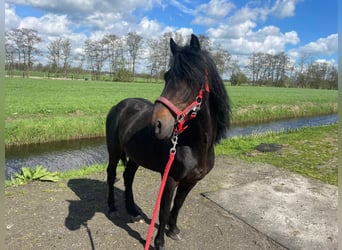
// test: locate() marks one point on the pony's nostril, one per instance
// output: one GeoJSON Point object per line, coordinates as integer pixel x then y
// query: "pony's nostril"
{"type": "Point", "coordinates": [157, 127]}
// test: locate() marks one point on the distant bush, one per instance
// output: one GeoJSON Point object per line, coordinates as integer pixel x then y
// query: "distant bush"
{"type": "Point", "coordinates": [238, 78]}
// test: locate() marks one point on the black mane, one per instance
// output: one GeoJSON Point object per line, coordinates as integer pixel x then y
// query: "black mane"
{"type": "Point", "coordinates": [189, 63]}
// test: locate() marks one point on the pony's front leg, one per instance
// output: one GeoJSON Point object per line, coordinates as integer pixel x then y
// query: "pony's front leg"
{"type": "Point", "coordinates": [129, 174]}
{"type": "Point", "coordinates": [182, 191]}
{"type": "Point", "coordinates": [164, 212]}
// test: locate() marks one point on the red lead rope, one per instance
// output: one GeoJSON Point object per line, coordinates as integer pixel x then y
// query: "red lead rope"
{"type": "Point", "coordinates": [161, 189]}
{"type": "Point", "coordinates": [188, 113]}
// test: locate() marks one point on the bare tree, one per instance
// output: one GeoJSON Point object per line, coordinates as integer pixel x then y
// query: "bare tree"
{"type": "Point", "coordinates": [268, 69]}
{"type": "Point", "coordinates": [281, 66]}
{"type": "Point", "coordinates": [332, 81]}
{"type": "Point", "coordinates": [10, 55]}
{"type": "Point", "coordinates": [112, 42]}
{"type": "Point", "coordinates": [154, 58]}
{"type": "Point", "coordinates": [30, 40]}
{"type": "Point", "coordinates": [133, 42]}
{"type": "Point", "coordinates": [54, 56]}
{"type": "Point", "coordinates": [14, 41]}
{"type": "Point", "coordinates": [222, 59]}
{"type": "Point", "coordinates": [252, 67]}
{"type": "Point", "coordinates": [179, 38]}
{"type": "Point", "coordinates": [95, 53]}
{"type": "Point", "coordinates": [117, 57]}
{"type": "Point", "coordinates": [301, 67]}
{"type": "Point", "coordinates": [79, 58]}
{"type": "Point", "coordinates": [159, 55]}
{"type": "Point", "coordinates": [164, 52]}
{"type": "Point", "coordinates": [321, 75]}
{"type": "Point", "coordinates": [59, 55]}
{"type": "Point", "coordinates": [66, 55]}
{"type": "Point", "coordinates": [23, 43]}
{"type": "Point", "coordinates": [204, 41]}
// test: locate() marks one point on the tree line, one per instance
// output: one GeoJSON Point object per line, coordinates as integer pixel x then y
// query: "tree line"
{"type": "Point", "coordinates": [279, 71]}
{"type": "Point", "coordinates": [116, 57]}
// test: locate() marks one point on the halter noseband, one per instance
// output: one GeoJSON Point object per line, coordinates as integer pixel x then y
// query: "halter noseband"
{"type": "Point", "coordinates": [189, 112]}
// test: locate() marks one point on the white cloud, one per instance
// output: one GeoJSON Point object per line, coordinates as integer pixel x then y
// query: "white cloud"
{"type": "Point", "coordinates": [88, 6]}
{"type": "Point", "coordinates": [209, 13]}
{"type": "Point", "coordinates": [219, 8]}
{"type": "Point", "coordinates": [203, 20]}
{"type": "Point", "coordinates": [11, 19]}
{"type": "Point", "coordinates": [318, 50]}
{"type": "Point", "coordinates": [228, 31]}
{"type": "Point", "coordinates": [185, 32]}
{"type": "Point", "coordinates": [50, 24]}
{"type": "Point", "coordinates": [268, 39]}
{"type": "Point", "coordinates": [323, 46]}
{"type": "Point", "coordinates": [273, 33]}
{"type": "Point", "coordinates": [152, 29]}
{"type": "Point", "coordinates": [107, 22]}
{"type": "Point", "coordinates": [242, 31]}
{"type": "Point", "coordinates": [149, 28]}
{"type": "Point", "coordinates": [331, 61]}
{"type": "Point", "coordinates": [181, 6]}
{"type": "Point", "coordinates": [243, 15]}
{"type": "Point", "coordinates": [284, 8]}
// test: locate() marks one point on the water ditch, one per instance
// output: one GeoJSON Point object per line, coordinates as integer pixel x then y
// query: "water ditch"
{"type": "Point", "coordinates": [61, 156]}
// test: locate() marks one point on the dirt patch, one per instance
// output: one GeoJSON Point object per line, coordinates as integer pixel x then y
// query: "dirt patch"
{"type": "Point", "coordinates": [72, 214]}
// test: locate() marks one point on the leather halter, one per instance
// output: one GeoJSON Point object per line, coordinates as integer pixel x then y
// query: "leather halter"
{"type": "Point", "coordinates": [189, 112]}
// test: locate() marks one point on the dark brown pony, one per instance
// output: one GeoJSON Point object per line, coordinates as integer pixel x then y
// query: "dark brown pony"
{"type": "Point", "coordinates": [138, 132]}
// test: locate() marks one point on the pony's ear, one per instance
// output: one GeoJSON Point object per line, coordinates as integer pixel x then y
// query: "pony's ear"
{"type": "Point", "coordinates": [174, 47]}
{"type": "Point", "coordinates": [194, 42]}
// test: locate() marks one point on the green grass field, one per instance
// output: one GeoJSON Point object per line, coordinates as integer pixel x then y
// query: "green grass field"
{"type": "Point", "coordinates": [41, 110]}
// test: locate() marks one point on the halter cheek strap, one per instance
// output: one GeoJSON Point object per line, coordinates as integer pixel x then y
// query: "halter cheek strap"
{"type": "Point", "coordinates": [169, 105]}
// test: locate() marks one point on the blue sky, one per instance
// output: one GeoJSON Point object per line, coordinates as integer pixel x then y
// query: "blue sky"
{"type": "Point", "coordinates": [298, 27]}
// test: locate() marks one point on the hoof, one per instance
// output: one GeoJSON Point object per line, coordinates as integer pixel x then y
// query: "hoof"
{"type": "Point", "coordinates": [160, 248]}
{"type": "Point", "coordinates": [137, 218]}
{"type": "Point", "coordinates": [172, 235]}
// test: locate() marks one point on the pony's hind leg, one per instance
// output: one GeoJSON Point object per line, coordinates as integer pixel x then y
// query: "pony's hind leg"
{"type": "Point", "coordinates": [129, 173]}
{"type": "Point", "coordinates": [114, 157]}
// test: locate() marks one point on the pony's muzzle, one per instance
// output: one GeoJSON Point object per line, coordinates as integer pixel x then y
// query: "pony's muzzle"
{"type": "Point", "coordinates": [162, 122]}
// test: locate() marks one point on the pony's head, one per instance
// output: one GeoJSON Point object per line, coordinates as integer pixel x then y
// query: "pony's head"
{"type": "Point", "coordinates": [192, 75]}
{"type": "Point", "coordinates": [183, 82]}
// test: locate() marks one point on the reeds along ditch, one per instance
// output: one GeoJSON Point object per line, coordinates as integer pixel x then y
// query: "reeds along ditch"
{"type": "Point", "coordinates": [266, 113]}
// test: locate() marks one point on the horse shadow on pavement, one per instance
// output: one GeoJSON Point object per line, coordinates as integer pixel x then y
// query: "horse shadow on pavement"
{"type": "Point", "coordinates": [93, 199]}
